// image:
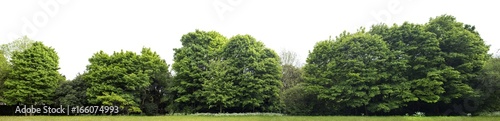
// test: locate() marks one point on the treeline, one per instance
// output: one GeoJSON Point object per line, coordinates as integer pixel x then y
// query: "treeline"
{"type": "Point", "coordinates": [438, 68]}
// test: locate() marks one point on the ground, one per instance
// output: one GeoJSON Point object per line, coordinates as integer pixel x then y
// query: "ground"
{"type": "Point", "coordinates": [242, 118]}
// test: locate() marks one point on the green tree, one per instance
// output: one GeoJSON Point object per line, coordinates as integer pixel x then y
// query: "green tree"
{"type": "Point", "coordinates": [356, 71]}
{"type": "Point", "coordinates": [113, 80]}
{"type": "Point", "coordinates": [220, 91]}
{"type": "Point", "coordinates": [191, 65]}
{"type": "Point", "coordinates": [72, 93]}
{"type": "Point", "coordinates": [420, 50]}
{"type": "Point", "coordinates": [444, 58]}
{"type": "Point", "coordinates": [6, 51]}
{"type": "Point", "coordinates": [133, 82]}
{"type": "Point", "coordinates": [299, 102]}
{"type": "Point", "coordinates": [290, 68]}
{"type": "Point", "coordinates": [16, 45]}
{"type": "Point", "coordinates": [34, 76]}
{"type": "Point", "coordinates": [155, 97]}
{"type": "Point", "coordinates": [256, 71]}
{"type": "Point", "coordinates": [488, 85]}
{"type": "Point", "coordinates": [464, 53]}
{"type": "Point", "coordinates": [5, 69]}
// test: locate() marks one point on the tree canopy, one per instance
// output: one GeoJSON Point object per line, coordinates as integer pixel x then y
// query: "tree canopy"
{"type": "Point", "coordinates": [125, 78]}
{"type": "Point", "coordinates": [256, 71]}
{"type": "Point", "coordinates": [34, 76]}
{"type": "Point", "coordinates": [192, 62]}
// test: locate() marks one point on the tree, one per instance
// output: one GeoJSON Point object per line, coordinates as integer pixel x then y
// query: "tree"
{"type": "Point", "coordinates": [6, 51]}
{"type": "Point", "coordinates": [126, 79]}
{"type": "Point", "coordinates": [16, 45]}
{"type": "Point", "coordinates": [292, 76]}
{"type": "Point", "coordinates": [488, 85]}
{"type": "Point", "coordinates": [72, 93]}
{"type": "Point", "coordinates": [113, 80]}
{"type": "Point", "coordinates": [420, 51]}
{"type": "Point", "coordinates": [220, 91]}
{"type": "Point", "coordinates": [256, 71]}
{"type": "Point", "coordinates": [356, 71]}
{"type": "Point", "coordinates": [464, 53]}
{"type": "Point", "coordinates": [191, 65]}
{"type": "Point", "coordinates": [291, 70]}
{"type": "Point", "coordinates": [444, 58]}
{"type": "Point", "coordinates": [155, 97]}
{"type": "Point", "coordinates": [5, 69]}
{"type": "Point", "coordinates": [34, 76]}
{"type": "Point", "coordinates": [289, 58]}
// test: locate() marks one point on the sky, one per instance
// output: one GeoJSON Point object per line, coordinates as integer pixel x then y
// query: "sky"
{"type": "Point", "coordinates": [77, 29]}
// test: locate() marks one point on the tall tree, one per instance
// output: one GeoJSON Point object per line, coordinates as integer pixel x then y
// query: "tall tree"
{"type": "Point", "coordinates": [256, 71]}
{"type": "Point", "coordinates": [291, 70]}
{"type": "Point", "coordinates": [191, 65]}
{"type": "Point", "coordinates": [6, 51]}
{"type": "Point", "coordinates": [220, 91]}
{"type": "Point", "coordinates": [488, 85]}
{"type": "Point", "coordinates": [127, 79]}
{"type": "Point", "coordinates": [155, 97]}
{"type": "Point", "coordinates": [356, 71]}
{"type": "Point", "coordinates": [16, 45]}
{"type": "Point", "coordinates": [464, 53]}
{"type": "Point", "coordinates": [5, 69]}
{"type": "Point", "coordinates": [34, 76]}
{"type": "Point", "coordinates": [420, 50]}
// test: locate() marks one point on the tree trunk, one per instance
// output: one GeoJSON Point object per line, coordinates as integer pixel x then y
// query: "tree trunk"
{"type": "Point", "coordinates": [220, 109]}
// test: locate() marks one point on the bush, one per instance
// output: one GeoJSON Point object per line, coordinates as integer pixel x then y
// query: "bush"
{"type": "Point", "coordinates": [496, 113]}
{"type": "Point", "coordinates": [297, 101]}
{"type": "Point", "coordinates": [150, 109]}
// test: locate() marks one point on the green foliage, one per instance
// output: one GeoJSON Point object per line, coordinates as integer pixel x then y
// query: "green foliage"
{"type": "Point", "coordinates": [6, 51]}
{"type": "Point", "coordinates": [356, 70]}
{"type": "Point", "coordinates": [488, 85]}
{"type": "Point", "coordinates": [191, 65]}
{"type": "Point", "coordinates": [112, 99]}
{"type": "Point", "coordinates": [463, 50]}
{"type": "Point", "coordinates": [390, 67]}
{"type": "Point", "coordinates": [256, 71]}
{"type": "Point", "coordinates": [34, 76]}
{"type": "Point", "coordinates": [421, 53]}
{"type": "Point", "coordinates": [72, 93]}
{"type": "Point", "coordinates": [444, 57]}
{"type": "Point", "coordinates": [386, 70]}
{"type": "Point", "coordinates": [5, 69]}
{"type": "Point", "coordinates": [292, 76]}
{"type": "Point", "coordinates": [17, 45]}
{"type": "Point", "coordinates": [150, 108]}
{"type": "Point", "coordinates": [126, 79]}
{"type": "Point", "coordinates": [156, 96]}
{"type": "Point", "coordinates": [220, 91]}
{"type": "Point", "coordinates": [298, 102]}
{"type": "Point", "coordinates": [291, 72]}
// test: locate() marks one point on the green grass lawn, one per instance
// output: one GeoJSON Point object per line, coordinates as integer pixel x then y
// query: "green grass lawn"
{"type": "Point", "coordinates": [241, 118]}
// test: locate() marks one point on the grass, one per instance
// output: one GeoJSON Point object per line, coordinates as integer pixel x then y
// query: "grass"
{"type": "Point", "coordinates": [242, 118]}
